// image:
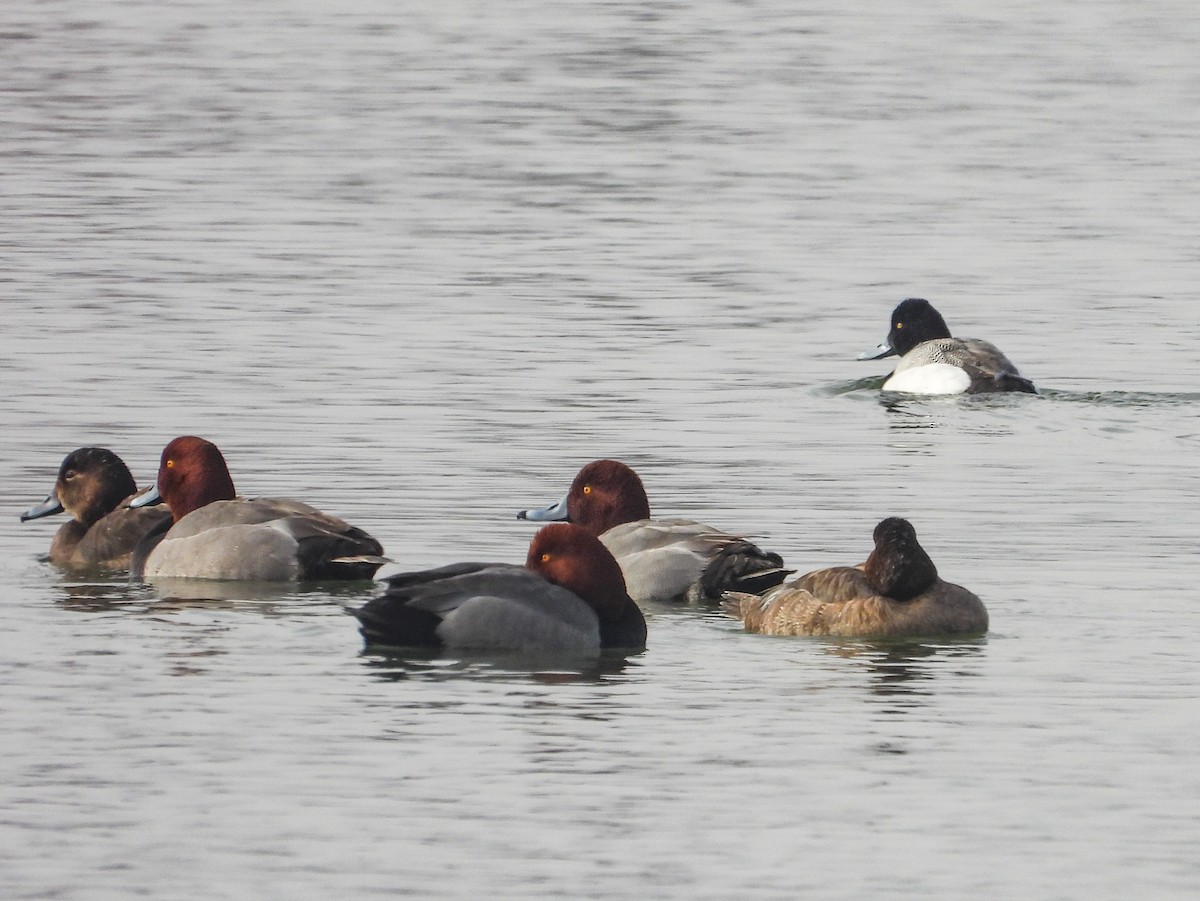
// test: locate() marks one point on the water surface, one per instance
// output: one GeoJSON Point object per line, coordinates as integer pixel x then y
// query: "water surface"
{"type": "Point", "coordinates": [417, 265]}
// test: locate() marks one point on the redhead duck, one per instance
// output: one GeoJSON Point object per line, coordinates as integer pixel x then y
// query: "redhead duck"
{"type": "Point", "coordinates": [662, 559]}
{"type": "Point", "coordinates": [95, 486]}
{"type": "Point", "coordinates": [931, 362]}
{"type": "Point", "coordinates": [568, 597]}
{"type": "Point", "coordinates": [214, 534]}
{"type": "Point", "coordinates": [896, 593]}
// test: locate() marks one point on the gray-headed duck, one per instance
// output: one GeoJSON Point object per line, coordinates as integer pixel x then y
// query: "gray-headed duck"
{"type": "Point", "coordinates": [94, 486]}
{"type": "Point", "coordinates": [662, 559]}
{"type": "Point", "coordinates": [932, 362]}
{"type": "Point", "coordinates": [214, 534]}
{"type": "Point", "coordinates": [568, 597]}
{"type": "Point", "coordinates": [896, 593]}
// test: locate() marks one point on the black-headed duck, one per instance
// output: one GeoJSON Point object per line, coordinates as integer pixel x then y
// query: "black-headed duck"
{"type": "Point", "coordinates": [932, 362]}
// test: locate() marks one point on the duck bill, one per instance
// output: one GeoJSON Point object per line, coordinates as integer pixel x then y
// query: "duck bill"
{"type": "Point", "coordinates": [553, 513]}
{"type": "Point", "coordinates": [48, 507]}
{"type": "Point", "coordinates": [148, 499]}
{"type": "Point", "coordinates": [878, 353]}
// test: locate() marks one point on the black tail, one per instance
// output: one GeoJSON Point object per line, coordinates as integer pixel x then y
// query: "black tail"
{"type": "Point", "coordinates": [1010, 381]}
{"type": "Point", "coordinates": [389, 620]}
{"type": "Point", "coordinates": [739, 566]}
{"type": "Point", "coordinates": [350, 555]}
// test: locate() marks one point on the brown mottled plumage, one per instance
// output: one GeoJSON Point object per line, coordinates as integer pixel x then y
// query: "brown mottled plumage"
{"type": "Point", "coordinates": [896, 593]}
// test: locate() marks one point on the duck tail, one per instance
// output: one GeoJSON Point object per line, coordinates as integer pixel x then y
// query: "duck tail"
{"type": "Point", "coordinates": [740, 566]}
{"type": "Point", "coordinates": [374, 559]}
{"type": "Point", "coordinates": [738, 603]}
{"type": "Point", "coordinates": [389, 621]}
{"type": "Point", "coordinates": [1010, 381]}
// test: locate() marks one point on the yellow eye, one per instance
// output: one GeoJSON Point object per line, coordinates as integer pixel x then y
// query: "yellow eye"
{"type": "Point", "coordinates": [899, 325]}
{"type": "Point", "coordinates": [587, 489]}
{"type": "Point", "coordinates": [545, 558]}
{"type": "Point", "coordinates": [170, 464]}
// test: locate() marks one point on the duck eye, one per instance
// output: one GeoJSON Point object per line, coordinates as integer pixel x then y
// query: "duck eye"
{"type": "Point", "coordinates": [899, 325]}
{"type": "Point", "coordinates": [545, 558]}
{"type": "Point", "coordinates": [170, 464]}
{"type": "Point", "coordinates": [587, 489]}
{"type": "Point", "coordinates": [69, 474]}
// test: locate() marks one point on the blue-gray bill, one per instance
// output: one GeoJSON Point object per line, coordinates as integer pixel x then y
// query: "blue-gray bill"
{"type": "Point", "coordinates": [877, 353]}
{"type": "Point", "coordinates": [554, 513]}
{"type": "Point", "coordinates": [149, 499]}
{"type": "Point", "coordinates": [48, 507]}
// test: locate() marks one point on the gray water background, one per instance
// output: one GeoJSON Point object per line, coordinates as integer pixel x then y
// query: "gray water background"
{"type": "Point", "coordinates": [415, 263]}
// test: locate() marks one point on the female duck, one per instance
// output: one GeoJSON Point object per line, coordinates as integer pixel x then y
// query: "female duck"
{"type": "Point", "coordinates": [214, 534]}
{"type": "Point", "coordinates": [662, 559]}
{"type": "Point", "coordinates": [95, 486]}
{"type": "Point", "coordinates": [569, 597]}
{"type": "Point", "coordinates": [896, 593]}
{"type": "Point", "coordinates": [931, 362]}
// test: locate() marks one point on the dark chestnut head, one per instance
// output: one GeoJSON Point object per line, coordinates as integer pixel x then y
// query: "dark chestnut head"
{"type": "Point", "coordinates": [606, 493]}
{"type": "Point", "coordinates": [568, 555]}
{"type": "Point", "coordinates": [192, 474]}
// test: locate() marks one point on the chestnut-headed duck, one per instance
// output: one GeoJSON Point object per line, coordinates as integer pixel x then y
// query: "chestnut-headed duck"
{"type": "Point", "coordinates": [896, 593]}
{"type": "Point", "coordinates": [662, 559]}
{"type": "Point", "coordinates": [94, 487]}
{"type": "Point", "coordinates": [214, 534]}
{"type": "Point", "coordinates": [931, 362]}
{"type": "Point", "coordinates": [568, 597]}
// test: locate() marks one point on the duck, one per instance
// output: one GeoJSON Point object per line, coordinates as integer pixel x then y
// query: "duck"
{"type": "Point", "coordinates": [94, 486]}
{"type": "Point", "coordinates": [932, 362]}
{"type": "Point", "coordinates": [569, 597]}
{"type": "Point", "coordinates": [215, 534]}
{"type": "Point", "coordinates": [896, 593]}
{"type": "Point", "coordinates": [661, 559]}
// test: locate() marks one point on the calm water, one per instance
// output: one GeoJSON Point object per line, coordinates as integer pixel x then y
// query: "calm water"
{"type": "Point", "coordinates": [416, 263]}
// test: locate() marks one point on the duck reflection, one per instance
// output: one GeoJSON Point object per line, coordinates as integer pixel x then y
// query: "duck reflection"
{"type": "Point", "coordinates": [912, 411]}
{"type": "Point", "coordinates": [97, 594]}
{"type": "Point", "coordinates": [399, 664]}
{"type": "Point", "coordinates": [101, 594]}
{"type": "Point", "coordinates": [908, 668]}
{"type": "Point", "coordinates": [206, 592]}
